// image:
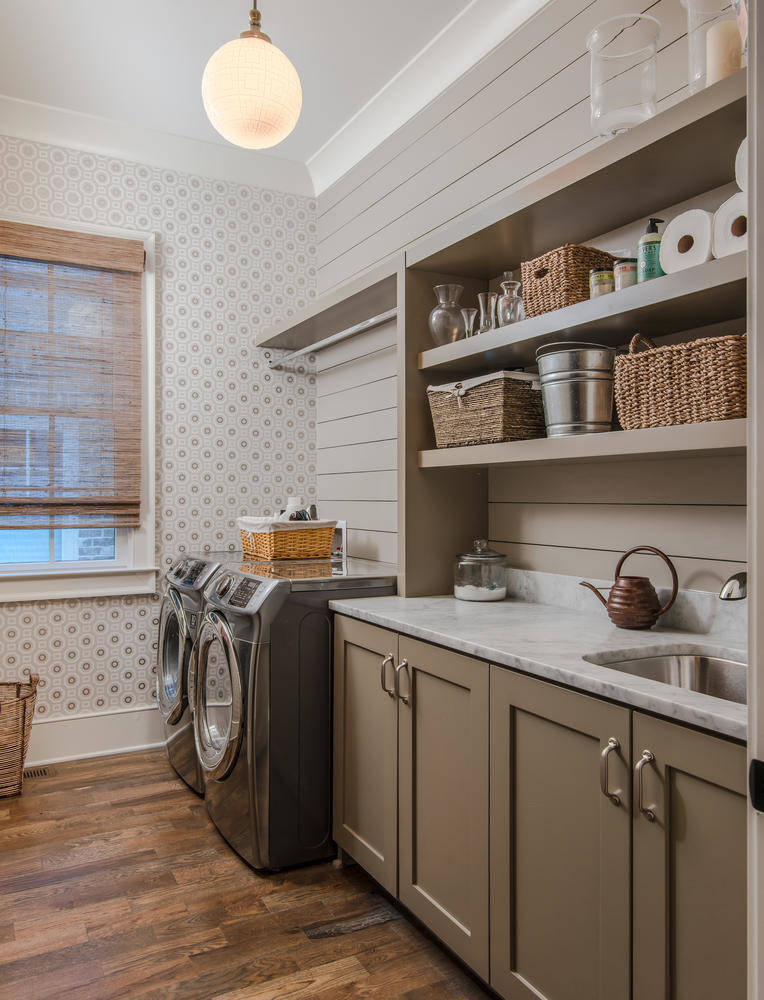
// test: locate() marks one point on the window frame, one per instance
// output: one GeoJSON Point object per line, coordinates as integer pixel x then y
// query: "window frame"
{"type": "Point", "coordinates": [42, 582]}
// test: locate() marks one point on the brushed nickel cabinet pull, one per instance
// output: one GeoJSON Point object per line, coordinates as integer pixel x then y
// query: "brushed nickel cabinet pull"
{"type": "Point", "coordinates": [611, 746]}
{"type": "Point", "coordinates": [647, 811]}
{"type": "Point", "coordinates": [383, 675]}
{"type": "Point", "coordinates": [407, 699]}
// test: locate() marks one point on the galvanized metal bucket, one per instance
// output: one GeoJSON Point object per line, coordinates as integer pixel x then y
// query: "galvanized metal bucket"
{"type": "Point", "coordinates": [576, 387]}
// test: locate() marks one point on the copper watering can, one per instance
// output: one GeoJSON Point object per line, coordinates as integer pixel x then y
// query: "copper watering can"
{"type": "Point", "coordinates": [633, 601]}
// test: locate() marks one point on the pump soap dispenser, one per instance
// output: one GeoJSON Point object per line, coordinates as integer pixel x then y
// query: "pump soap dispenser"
{"type": "Point", "coordinates": [649, 253]}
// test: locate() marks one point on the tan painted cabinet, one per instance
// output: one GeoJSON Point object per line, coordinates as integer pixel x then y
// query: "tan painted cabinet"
{"type": "Point", "coordinates": [443, 795]}
{"type": "Point", "coordinates": [366, 747]}
{"type": "Point", "coordinates": [616, 841]}
{"type": "Point", "coordinates": [560, 846]}
{"type": "Point", "coordinates": [689, 864]}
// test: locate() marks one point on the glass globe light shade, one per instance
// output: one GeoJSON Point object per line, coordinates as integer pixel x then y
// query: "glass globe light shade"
{"type": "Point", "coordinates": [251, 92]}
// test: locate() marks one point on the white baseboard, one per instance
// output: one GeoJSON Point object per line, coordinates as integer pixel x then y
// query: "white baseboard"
{"type": "Point", "coordinates": [94, 736]}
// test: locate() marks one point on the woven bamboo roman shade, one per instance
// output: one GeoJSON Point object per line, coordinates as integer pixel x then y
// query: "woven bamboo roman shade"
{"type": "Point", "coordinates": [70, 379]}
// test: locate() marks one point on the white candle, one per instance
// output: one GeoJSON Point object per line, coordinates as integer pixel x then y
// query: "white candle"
{"type": "Point", "coordinates": [724, 51]}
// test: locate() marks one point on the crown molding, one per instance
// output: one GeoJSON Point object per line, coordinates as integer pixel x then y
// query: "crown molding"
{"type": "Point", "coordinates": [58, 126]}
{"type": "Point", "coordinates": [463, 42]}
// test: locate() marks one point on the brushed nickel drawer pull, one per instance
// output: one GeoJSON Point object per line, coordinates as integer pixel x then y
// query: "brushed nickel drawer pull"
{"type": "Point", "coordinates": [611, 746]}
{"type": "Point", "coordinates": [407, 699]}
{"type": "Point", "coordinates": [647, 811]}
{"type": "Point", "coordinates": [383, 675]}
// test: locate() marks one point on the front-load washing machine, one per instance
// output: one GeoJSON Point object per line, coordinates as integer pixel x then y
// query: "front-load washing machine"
{"type": "Point", "coordinates": [263, 715]}
{"type": "Point", "coordinates": [179, 620]}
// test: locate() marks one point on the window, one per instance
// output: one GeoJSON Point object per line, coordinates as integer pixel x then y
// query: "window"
{"type": "Point", "coordinates": [74, 490]}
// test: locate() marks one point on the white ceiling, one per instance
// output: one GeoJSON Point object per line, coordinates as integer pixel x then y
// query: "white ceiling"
{"type": "Point", "coordinates": [365, 66]}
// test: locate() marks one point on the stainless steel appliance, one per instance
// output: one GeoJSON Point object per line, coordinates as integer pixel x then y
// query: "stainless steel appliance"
{"type": "Point", "coordinates": [262, 666]}
{"type": "Point", "coordinates": [179, 621]}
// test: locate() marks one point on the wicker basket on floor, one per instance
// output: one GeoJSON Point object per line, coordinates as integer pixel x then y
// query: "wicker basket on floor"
{"type": "Point", "coordinates": [17, 701]}
{"type": "Point", "coordinates": [560, 277]}
{"type": "Point", "coordinates": [504, 406]}
{"type": "Point", "coordinates": [681, 383]}
{"type": "Point", "coordinates": [264, 538]}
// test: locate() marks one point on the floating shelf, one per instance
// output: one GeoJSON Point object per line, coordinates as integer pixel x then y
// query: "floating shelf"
{"type": "Point", "coordinates": [350, 304]}
{"type": "Point", "coordinates": [698, 296]}
{"type": "Point", "coordinates": [691, 440]}
{"type": "Point", "coordinates": [682, 152]}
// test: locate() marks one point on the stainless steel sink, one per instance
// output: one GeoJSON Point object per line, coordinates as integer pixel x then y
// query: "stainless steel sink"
{"type": "Point", "coordinates": [712, 675]}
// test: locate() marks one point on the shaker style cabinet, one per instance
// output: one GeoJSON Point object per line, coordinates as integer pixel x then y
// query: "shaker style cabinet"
{"type": "Point", "coordinates": [560, 842]}
{"type": "Point", "coordinates": [616, 841]}
{"type": "Point", "coordinates": [366, 747]}
{"type": "Point", "coordinates": [411, 777]}
{"type": "Point", "coordinates": [689, 864]}
{"type": "Point", "coordinates": [443, 795]}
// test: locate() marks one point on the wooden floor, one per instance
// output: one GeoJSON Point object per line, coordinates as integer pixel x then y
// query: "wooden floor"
{"type": "Point", "coordinates": [113, 883]}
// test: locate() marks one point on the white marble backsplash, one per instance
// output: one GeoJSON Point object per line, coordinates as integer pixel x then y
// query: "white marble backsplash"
{"type": "Point", "coordinates": [693, 611]}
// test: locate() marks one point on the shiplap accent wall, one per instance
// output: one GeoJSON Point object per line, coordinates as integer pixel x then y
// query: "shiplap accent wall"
{"type": "Point", "coordinates": [356, 430]}
{"type": "Point", "coordinates": [518, 113]}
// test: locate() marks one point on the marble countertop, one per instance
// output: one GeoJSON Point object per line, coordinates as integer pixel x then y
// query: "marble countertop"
{"type": "Point", "coordinates": [551, 643]}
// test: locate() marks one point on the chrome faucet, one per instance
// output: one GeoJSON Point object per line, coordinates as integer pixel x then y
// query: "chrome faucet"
{"type": "Point", "coordinates": [735, 589]}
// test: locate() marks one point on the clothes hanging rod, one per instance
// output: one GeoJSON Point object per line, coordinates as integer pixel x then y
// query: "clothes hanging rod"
{"type": "Point", "coordinates": [367, 324]}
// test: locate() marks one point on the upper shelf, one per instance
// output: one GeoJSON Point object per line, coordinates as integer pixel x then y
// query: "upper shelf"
{"type": "Point", "coordinates": [355, 302]}
{"type": "Point", "coordinates": [720, 437]}
{"type": "Point", "coordinates": [698, 296]}
{"type": "Point", "coordinates": [680, 153]}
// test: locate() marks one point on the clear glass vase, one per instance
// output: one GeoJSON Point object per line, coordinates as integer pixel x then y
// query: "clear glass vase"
{"type": "Point", "coordinates": [487, 303]}
{"type": "Point", "coordinates": [446, 320]}
{"type": "Point", "coordinates": [623, 62]}
{"type": "Point", "coordinates": [509, 305]}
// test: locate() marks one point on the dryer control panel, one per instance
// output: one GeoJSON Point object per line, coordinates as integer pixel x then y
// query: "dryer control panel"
{"type": "Point", "coordinates": [238, 592]}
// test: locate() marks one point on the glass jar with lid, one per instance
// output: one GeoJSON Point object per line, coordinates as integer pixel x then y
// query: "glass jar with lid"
{"type": "Point", "coordinates": [480, 575]}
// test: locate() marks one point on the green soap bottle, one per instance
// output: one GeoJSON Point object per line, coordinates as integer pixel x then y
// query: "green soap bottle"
{"type": "Point", "coordinates": [649, 253]}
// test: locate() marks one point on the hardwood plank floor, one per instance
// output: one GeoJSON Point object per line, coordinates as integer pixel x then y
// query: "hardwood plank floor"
{"type": "Point", "coordinates": [114, 884]}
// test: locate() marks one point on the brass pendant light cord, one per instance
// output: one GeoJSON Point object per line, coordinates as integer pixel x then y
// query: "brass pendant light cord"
{"type": "Point", "coordinates": [255, 20]}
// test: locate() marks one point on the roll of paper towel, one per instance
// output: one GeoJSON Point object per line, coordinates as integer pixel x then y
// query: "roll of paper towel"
{"type": "Point", "coordinates": [687, 240]}
{"type": "Point", "coordinates": [741, 165]}
{"type": "Point", "coordinates": [731, 226]}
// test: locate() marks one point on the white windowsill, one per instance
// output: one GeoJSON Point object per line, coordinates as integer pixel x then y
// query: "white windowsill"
{"type": "Point", "coordinates": [60, 585]}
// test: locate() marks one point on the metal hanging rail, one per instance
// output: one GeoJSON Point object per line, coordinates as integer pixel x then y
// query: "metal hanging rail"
{"type": "Point", "coordinates": [367, 324]}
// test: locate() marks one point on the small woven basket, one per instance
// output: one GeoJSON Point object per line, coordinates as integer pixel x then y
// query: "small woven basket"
{"type": "Point", "coordinates": [681, 383]}
{"type": "Point", "coordinates": [560, 277]}
{"type": "Point", "coordinates": [262, 538]}
{"type": "Point", "coordinates": [17, 701]}
{"type": "Point", "coordinates": [505, 406]}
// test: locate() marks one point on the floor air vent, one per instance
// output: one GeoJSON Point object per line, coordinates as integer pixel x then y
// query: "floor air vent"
{"type": "Point", "coordinates": [37, 772]}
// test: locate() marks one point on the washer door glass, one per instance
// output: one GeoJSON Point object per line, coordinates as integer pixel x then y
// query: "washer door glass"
{"type": "Point", "coordinates": [172, 649]}
{"type": "Point", "coordinates": [217, 717]}
{"type": "Point", "coordinates": [219, 706]}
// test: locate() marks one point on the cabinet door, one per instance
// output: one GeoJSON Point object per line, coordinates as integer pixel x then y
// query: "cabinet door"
{"type": "Point", "coordinates": [443, 796]}
{"type": "Point", "coordinates": [560, 848]}
{"type": "Point", "coordinates": [689, 865]}
{"type": "Point", "coordinates": [366, 747]}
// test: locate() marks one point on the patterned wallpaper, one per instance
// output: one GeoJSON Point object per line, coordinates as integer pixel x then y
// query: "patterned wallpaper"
{"type": "Point", "coordinates": [232, 436]}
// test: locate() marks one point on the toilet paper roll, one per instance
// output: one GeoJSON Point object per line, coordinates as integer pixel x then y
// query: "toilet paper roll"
{"type": "Point", "coordinates": [731, 226]}
{"type": "Point", "coordinates": [686, 240]}
{"type": "Point", "coordinates": [741, 165]}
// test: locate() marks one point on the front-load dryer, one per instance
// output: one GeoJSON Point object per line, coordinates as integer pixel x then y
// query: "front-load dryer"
{"type": "Point", "coordinates": [179, 621]}
{"type": "Point", "coordinates": [263, 715]}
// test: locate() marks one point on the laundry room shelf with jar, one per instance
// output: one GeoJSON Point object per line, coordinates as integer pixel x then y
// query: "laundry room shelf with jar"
{"type": "Point", "coordinates": [698, 296]}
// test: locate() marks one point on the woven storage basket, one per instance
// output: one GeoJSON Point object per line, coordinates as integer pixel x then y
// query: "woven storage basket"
{"type": "Point", "coordinates": [17, 702]}
{"type": "Point", "coordinates": [504, 406]}
{"type": "Point", "coordinates": [560, 277]}
{"type": "Point", "coordinates": [681, 383]}
{"type": "Point", "coordinates": [264, 538]}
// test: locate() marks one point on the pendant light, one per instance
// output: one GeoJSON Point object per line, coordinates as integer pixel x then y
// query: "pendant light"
{"type": "Point", "coordinates": [251, 91]}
